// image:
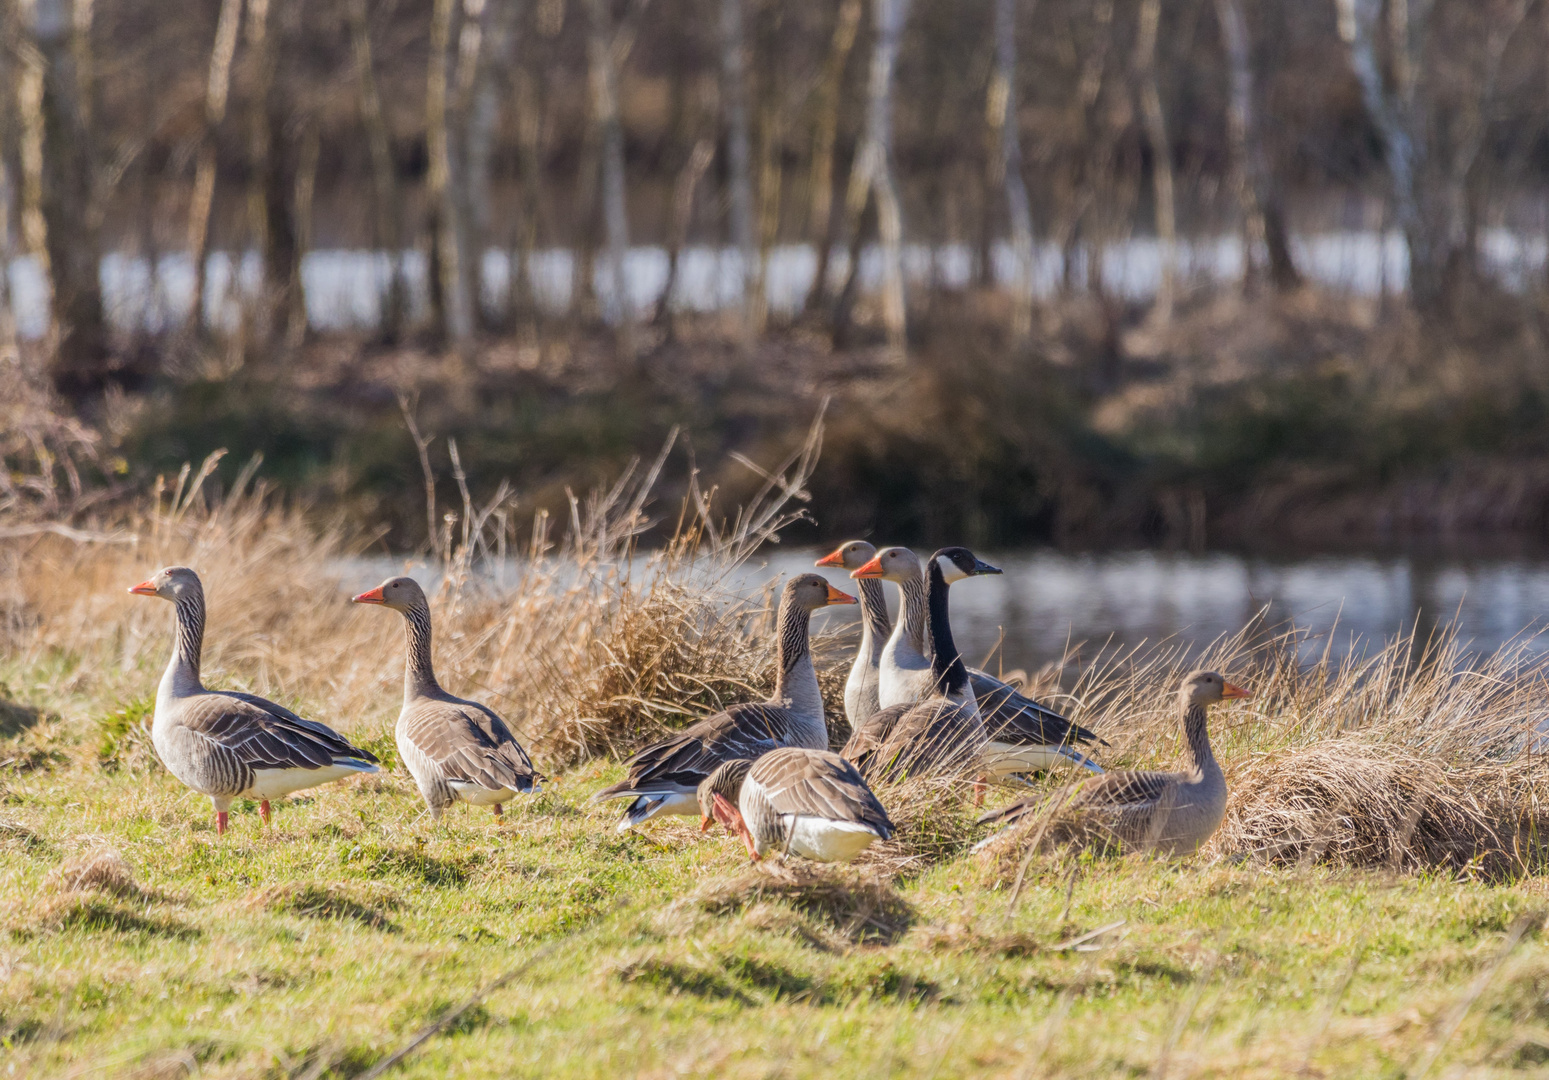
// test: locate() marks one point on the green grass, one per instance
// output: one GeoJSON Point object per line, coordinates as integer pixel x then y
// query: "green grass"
{"type": "Point", "coordinates": [324, 945]}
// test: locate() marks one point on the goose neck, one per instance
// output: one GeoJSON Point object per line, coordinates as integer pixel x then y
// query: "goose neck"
{"type": "Point", "coordinates": [914, 614]}
{"type": "Point", "coordinates": [947, 667]}
{"type": "Point", "coordinates": [419, 674]}
{"type": "Point", "coordinates": [188, 641]}
{"type": "Point", "coordinates": [796, 680]}
{"type": "Point", "coordinates": [874, 622]}
{"type": "Point", "coordinates": [1194, 729]}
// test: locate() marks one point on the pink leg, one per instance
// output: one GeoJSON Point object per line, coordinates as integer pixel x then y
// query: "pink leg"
{"type": "Point", "coordinates": [979, 792]}
{"type": "Point", "coordinates": [220, 823]}
{"type": "Point", "coordinates": [263, 811]}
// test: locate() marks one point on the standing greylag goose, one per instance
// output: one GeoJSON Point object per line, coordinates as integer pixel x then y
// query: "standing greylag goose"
{"type": "Point", "coordinates": [663, 778]}
{"type": "Point", "coordinates": [226, 744]}
{"type": "Point", "coordinates": [861, 688]}
{"type": "Point", "coordinates": [943, 733]}
{"type": "Point", "coordinates": [454, 748]}
{"type": "Point", "coordinates": [811, 803]}
{"type": "Point", "coordinates": [1024, 735]}
{"type": "Point", "coordinates": [1170, 812]}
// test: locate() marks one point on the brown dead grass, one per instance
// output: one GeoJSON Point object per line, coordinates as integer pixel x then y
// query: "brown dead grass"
{"type": "Point", "coordinates": [859, 903]}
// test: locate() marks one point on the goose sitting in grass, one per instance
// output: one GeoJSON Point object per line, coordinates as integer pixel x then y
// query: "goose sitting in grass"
{"type": "Point", "coordinates": [455, 749]}
{"type": "Point", "coordinates": [226, 744]}
{"type": "Point", "coordinates": [664, 778]}
{"type": "Point", "coordinates": [1169, 812]}
{"type": "Point", "coordinates": [811, 803]}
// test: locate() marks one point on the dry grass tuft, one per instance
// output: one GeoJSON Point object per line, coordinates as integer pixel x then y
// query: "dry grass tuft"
{"type": "Point", "coordinates": [99, 868]}
{"type": "Point", "coordinates": [933, 822]}
{"type": "Point", "coordinates": [364, 902]}
{"type": "Point", "coordinates": [860, 904]}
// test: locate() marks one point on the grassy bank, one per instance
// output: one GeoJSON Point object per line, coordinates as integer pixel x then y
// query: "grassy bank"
{"type": "Point", "coordinates": [1371, 906]}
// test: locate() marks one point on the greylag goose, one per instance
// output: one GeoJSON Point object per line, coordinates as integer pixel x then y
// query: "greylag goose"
{"type": "Point", "coordinates": [943, 733]}
{"type": "Point", "coordinates": [454, 748]}
{"type": "Point", "coordinates": [1024, 735]}
{"type": "Point", "coordinates": [811, 803]}
{"type": "Point", "coordinates": [226, 744]}
{"type": "Point", "coordinates": [664, 778]}
{"type": "Point", "coordinates": [1170, 812]}
{"type": "Point", "coordinates": [861, 689]}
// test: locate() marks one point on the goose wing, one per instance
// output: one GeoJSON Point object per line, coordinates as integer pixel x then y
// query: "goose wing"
{"type": "Point", "coordinates": [742, 731]}
{"type": "Point", "coordinates": [262, 735]}
{"type": "Point", "coordinates": [1116, 797]}
{"type": "Point", "coordinates": [871, 733]}
{"type": "Point", "coordinates": [469, 743]}
{"type": "Point", "coordinates": [1011, 716]}
{"type": "Point", "coordinates": [933, 737]}
{"type": "Point", "coordinates": [817, 783]}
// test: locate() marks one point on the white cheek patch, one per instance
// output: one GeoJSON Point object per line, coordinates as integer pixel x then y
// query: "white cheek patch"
{"type": "Point", "coordinates": [949, 569]}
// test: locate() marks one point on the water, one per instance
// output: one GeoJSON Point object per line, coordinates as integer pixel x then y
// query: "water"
{"type": "Point", "coordinates": [1046, 599]}
{"type": "Point", "coordinates": [344, 288]}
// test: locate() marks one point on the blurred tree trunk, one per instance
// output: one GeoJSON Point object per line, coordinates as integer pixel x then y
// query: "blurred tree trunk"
{"type": "Point", "coordinates": [872, 173]}
{"type": "Point", "coordinates": [9, 31]}
{"type": "Point", "coordinates": [1002, 114]}
{"type": "Point", "coordinates": [296, 320]}
{"type": "Point", "coordinates": [825, 132]}
{"type": "Point", "coordinates": [771, 182]}
{"type": "Point", "coordinates": [607, 49]}
{"type": "Point", "coordinates": [451, 307]}
{"type": "Point", "coordinates": [62, 216]}
{"type": "Point", "coordinates": [1252, 177]}
{"type": "Point", "coordinates": [739, 179]}
{"type": "Point", "coordinates": [217, 90]}
{"type": "Point", "coordinates": [271, 168]}
{"type": "Point", "coordinates": [386, 221]}
{"type": "Point", "coordinates": [1163, 197]}
{"type": "Point", "coordinates": [492, 84]}
{"type": "Point", "coordinates": [529, 122]}
{"type": "Point", "coordinates": [1430, 144]}
{"type": "Point", "coordinates": [693, 171]}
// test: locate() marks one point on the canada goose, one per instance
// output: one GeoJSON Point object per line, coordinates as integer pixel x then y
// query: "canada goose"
{"type": "Point", "coordinates": [942, 733]}
{"type": "Point", "coordinates": [1170, 812]}
{"type": "Point", "coordinates": [1024, 735]}
{"type": "Point", "coordinates": [454, 748]}
{"type": "Point", "coordinates": [664, 777]}
{"type": "Point", "coordinates": [226, 744]}
{"type": "Point", "coordinates": [811, 803]}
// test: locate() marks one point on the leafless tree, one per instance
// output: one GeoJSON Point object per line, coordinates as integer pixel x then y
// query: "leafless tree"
{"type": "Point", "coordinates": [217, 91]}
{"type": "Point", "coordinates": [387, 220]}
{"type": "Point", "coordinates": [1004, 118]}
{"type": "Point", "coordinates": [1164, 197]}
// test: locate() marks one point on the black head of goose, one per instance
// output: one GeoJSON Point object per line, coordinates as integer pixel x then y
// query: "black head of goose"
{"type": "Point", "coordinates": [861, 690]}
{"type": "Point", "coordinates": [943, 733]}
{"type": "Point", "coordinates": [663, 777]}
{"type": "Point", "coordinates": [230, 745]}
{"type": "Point", "coordinates": [455, 749]}
{"type": "Point", "coordinates": [1168, 812]}
{"type": "Point", "coordinates": [811, 803]}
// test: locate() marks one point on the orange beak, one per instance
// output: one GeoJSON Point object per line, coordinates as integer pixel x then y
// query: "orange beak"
{"type": "Point", "coordinates": [837, 597]}
{"type": "Point", "coordinates": [1233, 691]}
{"type": "Point", "coordinates": [370, 596]}
{"type": "Point", "coordinates": [873, 569]}
{"type": "Point", "coordinates": [834, 559]}
{"type": "Point", "coordinates": [706, 822]}
{"type": "Point", "coordinates": [145, 588]}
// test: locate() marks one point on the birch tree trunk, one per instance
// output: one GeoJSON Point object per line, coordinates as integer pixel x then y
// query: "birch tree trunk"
{"type": "Point", "coordinates": [1002, 115]}
{"type": "Point", "coordinates": [386, 222]}
{"type": "Point", "coordinates": [605, 51]}
{"type": "Point", "coordinates": [529, 116]}
{"type": "Point", "coordinates": [296, 322]}
{"type": "Point", "coordinates": [451, 309]}
{"type": "Point", "coordinates": [825, 132]}
{"type": "Point", "coordinates": [1161, 157]}
{"type": "Point", "coordinates": [63, 215]}
{"type": "Point", "coordinates": [217, 89]}
{"type": "Point", "coordinates": [1257, 194]}
{"type": "Point", "coordinates": [739, 180]}
{"type": "Point", "coordinates": [872, 171]}
{"type": "Point", "coordinates": [8, 116]}
{"type": "Point", "coordinates": [693, 171]}
{"type": "Point", "coordinates": [491, 83]}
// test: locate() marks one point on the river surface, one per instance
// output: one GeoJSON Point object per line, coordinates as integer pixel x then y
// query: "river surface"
{"type": "Point", "coordinates": [1048, 600]}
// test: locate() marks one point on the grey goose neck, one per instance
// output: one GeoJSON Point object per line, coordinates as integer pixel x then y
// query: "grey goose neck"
{"type": "Point", "coordinates": [796, 680]}
{"type": "Point", "coordinates": [419, 674]}
{"type": "Point", "coordinates": [188, 641]}
{"type": "Point", "coordinates": [875, 627]}
{"type": "Point", "coordinates": [1202, 758]}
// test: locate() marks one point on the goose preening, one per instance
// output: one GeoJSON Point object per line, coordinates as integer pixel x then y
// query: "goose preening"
{"type": "Point", "coordinates": [811, 803]}
{"type": "Point", "coordinates": [1024, 736]}
{"type": "Point", "coordinates": [861, 688]}
{"type": "Point", "coordinates": [454, 748]}
{"type": "Point", "coordinates": [1170, 812]}
{"type": "Point", "coordinates": [664, 778]}
{"type": "Point", "coordinates": [226, 744]}
{"type": "Point", "coordinates": [943, 733]}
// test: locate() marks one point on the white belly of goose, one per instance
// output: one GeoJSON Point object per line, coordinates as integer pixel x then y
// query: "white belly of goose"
{"type": "Point", "coordinates": [1003, 759]}
{"type": "Point", "coordinates": [477, 795]}
{"type": "Point", "coordinates": [826, 840]}
{"type": "Point", "coordinates": [278, 783]}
